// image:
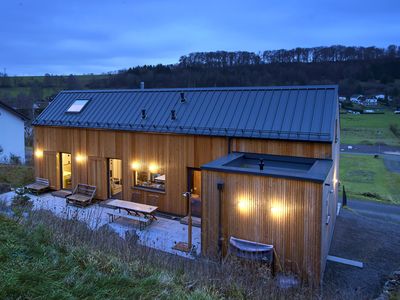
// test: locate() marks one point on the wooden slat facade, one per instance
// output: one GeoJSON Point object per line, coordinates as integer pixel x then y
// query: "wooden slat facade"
{"type": "Point", "coordinates": [281, 212]}
{"type": "Point", "coordinates": [299, 234]}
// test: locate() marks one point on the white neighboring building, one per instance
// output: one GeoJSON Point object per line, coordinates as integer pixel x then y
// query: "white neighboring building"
{"type": "Point", "coordinates": [12, 133]}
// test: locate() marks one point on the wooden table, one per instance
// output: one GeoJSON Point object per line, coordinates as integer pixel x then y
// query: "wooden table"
{"type": "Point", "coordinates": [134, 208]}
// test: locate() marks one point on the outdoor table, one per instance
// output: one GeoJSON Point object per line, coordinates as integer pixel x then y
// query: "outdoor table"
{"type": "Point", "coordinates": [134, 208]}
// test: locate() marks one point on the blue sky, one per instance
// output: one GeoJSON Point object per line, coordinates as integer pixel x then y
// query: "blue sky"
{"type": "Point", "coordinates": [95, 36]}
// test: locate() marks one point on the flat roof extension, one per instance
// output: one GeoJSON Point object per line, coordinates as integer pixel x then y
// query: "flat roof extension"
{"type": "Point", "coordinates": [311, 169]}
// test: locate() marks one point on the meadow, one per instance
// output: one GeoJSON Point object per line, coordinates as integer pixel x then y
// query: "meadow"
{"type": "Point", "coordinates": [366, 177]}
{"type": "Point", "coordinates": [369, 129]}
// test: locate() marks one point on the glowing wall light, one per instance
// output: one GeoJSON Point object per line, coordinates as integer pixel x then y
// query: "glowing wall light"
{"type": "Point", "coordinates": [39, 153]}
{"type": "Point", "coordinates": [276, 210]}
{"type": "Point", "coordinates": [80, 158]}
{"type": "Point", "coordinates": [135, 165]}
{"type": "Point", "coordinates": [243, 205]}
{"type": "Point", "coordinates": [153, 168]}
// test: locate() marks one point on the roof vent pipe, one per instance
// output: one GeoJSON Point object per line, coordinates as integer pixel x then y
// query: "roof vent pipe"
{"type": "Point", "coordinates": [142, 85]}
{"type": "Point", "coordinates": [144, 115]}
{"type": "Point", "coordinates": [173, 114]}
{"type": "Point", "coordinates": [261, 164]}
{"type": "Point", "coordinates": [183, 99]}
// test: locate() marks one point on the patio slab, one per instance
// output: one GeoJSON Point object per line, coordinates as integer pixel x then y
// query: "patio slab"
{"type": "Point", "coordinates": [162, 234]}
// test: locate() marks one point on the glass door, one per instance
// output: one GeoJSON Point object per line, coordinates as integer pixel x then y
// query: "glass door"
{"type": "Point", "coordinates": [115, 178]}
{"type": "Point", "coordinates": [66, 171]}
{"type": "Point", "coordinates": [194, 182]}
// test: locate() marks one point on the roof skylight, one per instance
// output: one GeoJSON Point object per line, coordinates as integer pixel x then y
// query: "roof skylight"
{"type": "Point", "coordinates": [77, 106]}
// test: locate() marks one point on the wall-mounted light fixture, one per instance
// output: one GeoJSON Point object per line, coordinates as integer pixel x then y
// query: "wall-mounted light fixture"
{"type": "Point", "coordinates": [153, 168]}
{"type": "Point", "coordinates": [80, 158]}
{"type": "Point", "coordinates": [39, 153]}
{"type": "Point", "coordinates": [276, 210]}
{"type": "Point", "coordinates": [135, 165]}
{"type": "Point", "coordinates": [243, 205]}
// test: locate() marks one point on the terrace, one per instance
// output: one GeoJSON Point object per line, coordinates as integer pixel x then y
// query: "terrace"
{"type": "Point", "coordinates": [162, 234]}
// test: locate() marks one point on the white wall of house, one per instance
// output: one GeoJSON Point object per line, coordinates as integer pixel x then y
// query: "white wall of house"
{"type": "Point", "coordinates": [12, 136]}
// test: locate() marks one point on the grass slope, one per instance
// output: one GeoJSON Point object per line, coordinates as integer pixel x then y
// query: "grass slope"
{"type": "Point", "coordinates": [33, 267]}
{"type": "Point", "coordinates": [16, 176]}
{"type": "Point", "coordinates": [369, 129]}
{"type": "Point", "coordinates": [362, 174]}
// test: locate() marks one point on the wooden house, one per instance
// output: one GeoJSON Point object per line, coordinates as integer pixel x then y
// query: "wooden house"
{"type": "Point", "coordinates": [152, 145]}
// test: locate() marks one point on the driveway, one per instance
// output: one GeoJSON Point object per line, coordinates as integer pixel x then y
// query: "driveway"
{"type": "Point", "coordinates": [369, 232]}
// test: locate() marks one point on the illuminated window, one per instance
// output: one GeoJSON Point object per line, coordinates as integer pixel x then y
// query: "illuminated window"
{"type": "Point", "coordinates": [77, 106]}
{"type": "Point", "coordinates": [150, 180]}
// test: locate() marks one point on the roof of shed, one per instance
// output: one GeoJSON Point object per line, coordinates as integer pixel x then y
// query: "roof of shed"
{"type": "Point", "coordinates": [295, 113]}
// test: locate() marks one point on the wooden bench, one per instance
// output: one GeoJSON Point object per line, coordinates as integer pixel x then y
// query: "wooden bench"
{"type": "Point", "coordinates": [40, 185]}
{"type": "Point", "coordinates": [142, 220]}
{"type": "Point", "coordinates": [82, 195]}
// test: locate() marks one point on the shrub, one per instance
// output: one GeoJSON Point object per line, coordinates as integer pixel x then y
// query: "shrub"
{"type": "Point", "coordinates": [14, 159]}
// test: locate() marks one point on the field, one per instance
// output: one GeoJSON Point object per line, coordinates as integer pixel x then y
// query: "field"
{"type": "Point", "coordinates": [366, 177]}
{"type": "Point", "coordinates": [369, 129]}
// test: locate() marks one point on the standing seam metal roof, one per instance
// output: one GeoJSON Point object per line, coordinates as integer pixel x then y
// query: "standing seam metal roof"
{"type": "Point", "coordinates": [289, 112]}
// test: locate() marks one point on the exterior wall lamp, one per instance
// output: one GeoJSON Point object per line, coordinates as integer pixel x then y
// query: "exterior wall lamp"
{"type": "Point", "coordinates": [80, 158]}
{"type": "Point", "coordinates": [135, 165]}
{"type": "Point", "coordinates": [39, 153]}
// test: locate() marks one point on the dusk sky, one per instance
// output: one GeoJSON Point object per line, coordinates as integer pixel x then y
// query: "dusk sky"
{"type": "Point", "coordinates": [95, 36]}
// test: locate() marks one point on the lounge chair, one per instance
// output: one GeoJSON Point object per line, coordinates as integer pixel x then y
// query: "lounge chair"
{"type": "Point", "coordinates": [40, 185]}
{"type": "Point", "coordinates": [82, 195]}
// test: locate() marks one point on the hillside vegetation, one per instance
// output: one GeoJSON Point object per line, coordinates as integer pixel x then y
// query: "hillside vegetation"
{"type": "Point", "coordinates": [365, 70]}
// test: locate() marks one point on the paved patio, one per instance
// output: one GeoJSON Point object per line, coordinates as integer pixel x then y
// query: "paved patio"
{"type": "Point", "coordinates": [162, 234]}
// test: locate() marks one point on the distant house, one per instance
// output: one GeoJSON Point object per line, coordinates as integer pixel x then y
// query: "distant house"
{"type": "Point", "coordinates": [342, 99]}
{"type": "Point", "coordinates": [370, 101]}
{"type": "Point", "coordinates": [357, 99]}
{"type": "Point", "coordinates": [380, 97]}
{"type": "Point", "coordinates": [12, 134]}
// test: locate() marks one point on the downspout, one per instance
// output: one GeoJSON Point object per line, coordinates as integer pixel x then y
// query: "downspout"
{"type": "Point", "coordinates": [229, 145]}
{"type": "Point", "coordinates": [220, 187]}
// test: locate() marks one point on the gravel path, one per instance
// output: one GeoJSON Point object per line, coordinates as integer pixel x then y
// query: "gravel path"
{"type": "Point", "coordinates": [366, 231]}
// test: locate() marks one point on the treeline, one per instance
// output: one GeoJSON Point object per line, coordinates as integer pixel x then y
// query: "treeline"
{"type": "Point", "coordinates": [335, 53]}
{"type": "Point", "coordinates": [357, 70]}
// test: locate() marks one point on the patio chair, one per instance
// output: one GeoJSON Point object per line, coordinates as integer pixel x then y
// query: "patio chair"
{"type": "Point", "coordinates": [82, 195]}
{"type": "Point", "coordinates": [40, 185]}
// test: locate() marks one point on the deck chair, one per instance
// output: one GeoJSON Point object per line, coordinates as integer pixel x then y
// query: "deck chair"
{"type": "Point", "coordinates": [40, 185]}
{"type": "Point", "coordinates": [82, 195]}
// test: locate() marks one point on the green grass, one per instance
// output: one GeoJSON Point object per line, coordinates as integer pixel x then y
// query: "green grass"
{"type": "Point", "coordinates": [362, 174]}
{"type": "Point", "coordinates": [369, 129]}
{"type": "Point", "coordinates": [34, 267]}
{"type": "Point", "coordinates": [16, 175]}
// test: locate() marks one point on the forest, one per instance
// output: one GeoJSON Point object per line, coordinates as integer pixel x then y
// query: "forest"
{"type": "Point", "coordinates": [357, 70]}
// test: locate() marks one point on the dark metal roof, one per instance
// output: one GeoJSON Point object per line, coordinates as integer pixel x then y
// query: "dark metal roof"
{"type": "Point", "coordinates": [294, 113]}
{"type": "Point", "coordinates": [291, 167]}
{"type": "Point", "coordinates": [13, 111]}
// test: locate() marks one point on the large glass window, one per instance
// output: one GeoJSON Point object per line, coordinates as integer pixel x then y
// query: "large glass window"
{"type": "Point", "coordinates": [153, 178]}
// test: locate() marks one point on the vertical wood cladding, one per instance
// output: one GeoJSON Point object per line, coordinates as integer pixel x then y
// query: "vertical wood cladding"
{"type": "Point", "coordinates": [173, 153]}
{"type": "Point", "coordinates": [282, 212]}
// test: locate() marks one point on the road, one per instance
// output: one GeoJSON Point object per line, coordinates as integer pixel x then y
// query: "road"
{"type": "Point", "coordinates": [369, 232]}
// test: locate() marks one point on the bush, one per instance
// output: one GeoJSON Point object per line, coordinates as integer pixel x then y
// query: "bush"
{"type": "Point", "coordinates": [14, 159]}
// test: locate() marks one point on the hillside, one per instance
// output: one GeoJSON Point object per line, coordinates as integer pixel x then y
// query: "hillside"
{"type": "Point", "coordinates": [357, 70]}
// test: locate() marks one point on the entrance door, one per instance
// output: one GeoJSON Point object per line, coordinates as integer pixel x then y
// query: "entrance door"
{"type": "Point", "coordinates": [115, 178]}
{"type": "Point", "coordinates": [194, 186]}
{"type": "Point", "coordinates": [66, 171]}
